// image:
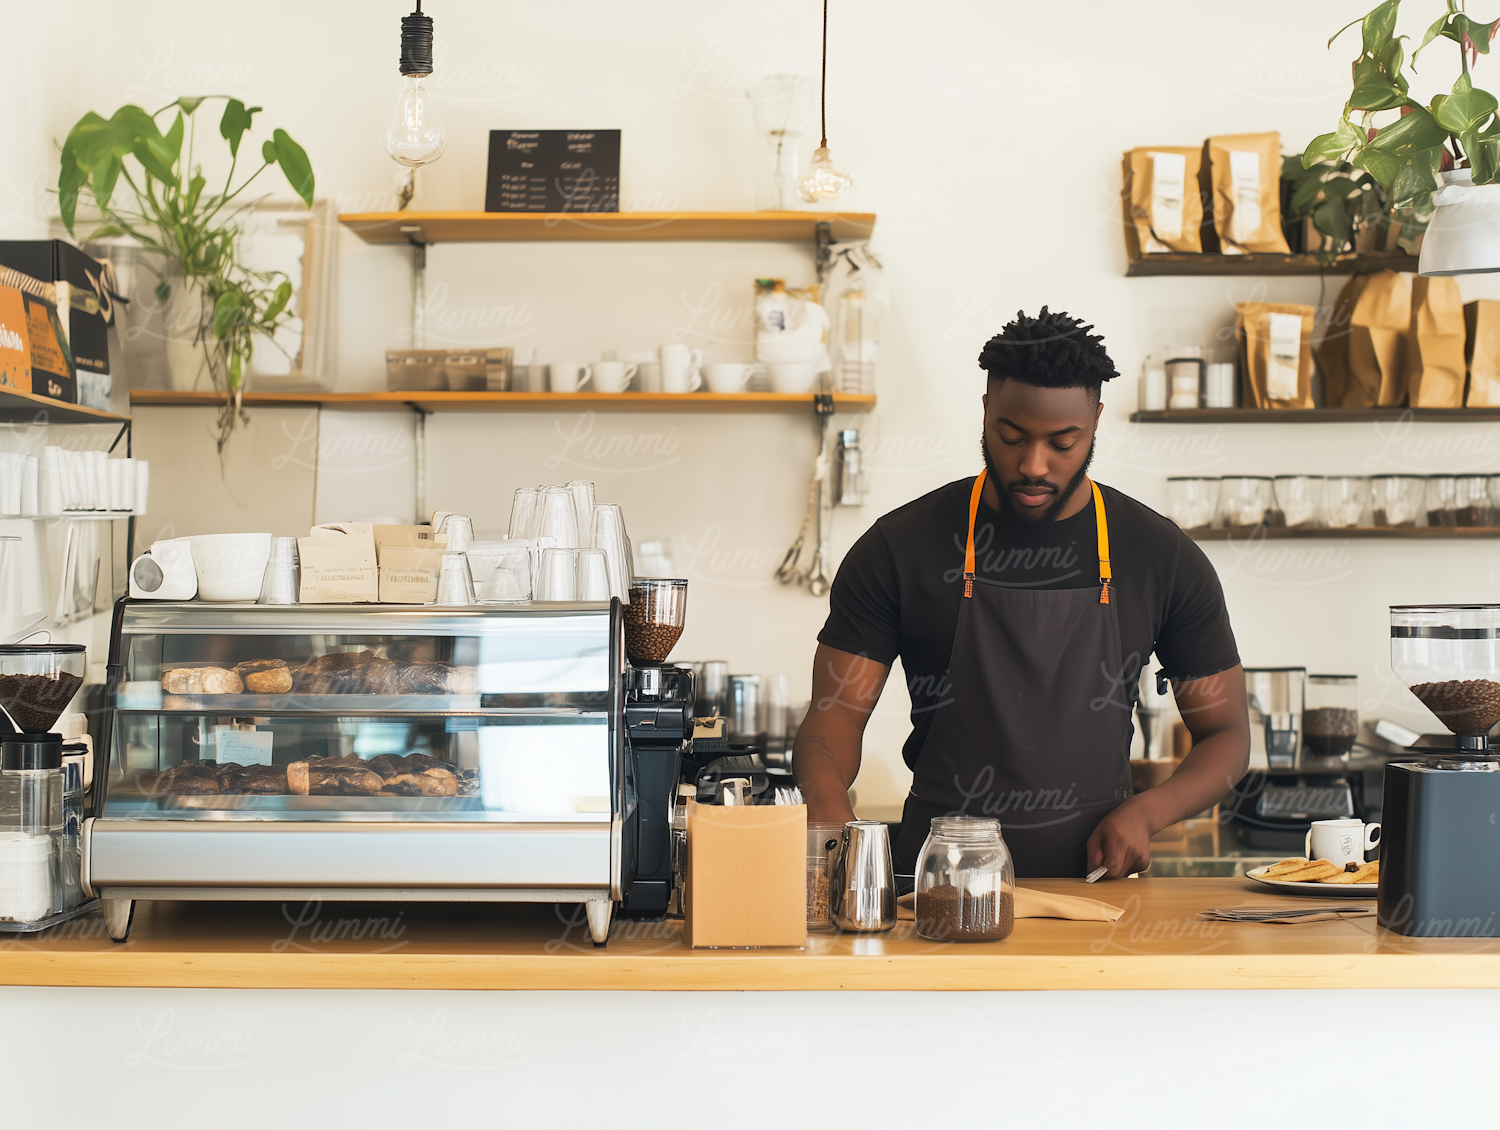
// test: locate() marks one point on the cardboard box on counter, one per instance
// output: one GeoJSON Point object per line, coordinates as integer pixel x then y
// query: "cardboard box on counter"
{"type": "Point", "coordinates": [746, 875]}
{"type": "Point", "coordinates": [85, 293]}
{"type": "Point", "coordinates": [338, 565]}
{"type": "Point", "coordinates": [409, 559]}
{"type": "Point", "coordinates": [52, 373]}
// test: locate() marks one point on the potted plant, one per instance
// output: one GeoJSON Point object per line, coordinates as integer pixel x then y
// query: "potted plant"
{"type": "Point", "coordinates": [146, 184]}
{"type": "Point", "coordinates": [1445, 153]}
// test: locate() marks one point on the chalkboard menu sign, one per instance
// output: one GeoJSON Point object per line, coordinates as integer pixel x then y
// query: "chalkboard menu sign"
{"type": "Point", "coordinates": [553, 170]}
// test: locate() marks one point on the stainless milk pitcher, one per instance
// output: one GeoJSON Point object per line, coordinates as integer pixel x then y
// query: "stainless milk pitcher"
{"type": "Point", "coordinates": [862, 892]}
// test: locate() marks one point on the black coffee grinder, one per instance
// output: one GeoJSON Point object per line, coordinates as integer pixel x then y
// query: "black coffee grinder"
{"type": "Point", "coordinates": [1440, 834]}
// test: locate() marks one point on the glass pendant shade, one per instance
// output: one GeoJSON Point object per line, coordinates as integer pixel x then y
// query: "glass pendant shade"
{"type": "Point", "coordinates": [823, 183]}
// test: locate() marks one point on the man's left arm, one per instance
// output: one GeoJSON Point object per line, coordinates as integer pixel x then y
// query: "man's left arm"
{"type": "Point", "coordinates": [1214, 711]}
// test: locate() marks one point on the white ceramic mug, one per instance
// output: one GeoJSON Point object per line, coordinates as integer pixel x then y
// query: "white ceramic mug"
{"type": "Point", "coordinates": [1341, 841]}
{"type": "Point", "coordinates": [794, 377]}
{"type": "Point", "coordinates": [680, 367]}
{"type": "Point", "coordinates": [570, 376]}
{"type": "Point", "coordinates": [728, 376]}
{"type": "Point", "coordinates": [613, 376]}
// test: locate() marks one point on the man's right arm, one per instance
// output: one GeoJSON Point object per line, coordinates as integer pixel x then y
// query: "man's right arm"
{"type": "Point", "coordinates": [826, 755]}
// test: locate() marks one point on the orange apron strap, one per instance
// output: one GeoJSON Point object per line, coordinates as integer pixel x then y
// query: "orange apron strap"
{"type": "Point", "coordinates": [1102, 526]}
{"type": "Point", "coordinates": [969, 548]}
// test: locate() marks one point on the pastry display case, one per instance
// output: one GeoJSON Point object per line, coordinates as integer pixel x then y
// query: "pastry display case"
{"type": "Point", "coordinates": [370, 752]}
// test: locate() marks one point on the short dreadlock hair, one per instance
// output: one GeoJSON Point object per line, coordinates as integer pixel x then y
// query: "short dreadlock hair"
{"type": "Point", "coordinates": [1049, 351]}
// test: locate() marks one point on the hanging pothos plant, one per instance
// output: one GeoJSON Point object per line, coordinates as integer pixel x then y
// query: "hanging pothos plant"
{"type": "Point", "coordinates": [170, 211]}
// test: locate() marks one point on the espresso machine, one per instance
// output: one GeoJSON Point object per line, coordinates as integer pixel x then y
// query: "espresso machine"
{"type": "Point", "coordinates": [1440, 837]}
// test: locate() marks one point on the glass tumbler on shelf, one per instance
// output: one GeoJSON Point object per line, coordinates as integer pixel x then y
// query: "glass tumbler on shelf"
{"type": "Point", "coordinates": [1442, 505]}
{"type": "Point", "coordinates": [593, 575]}
{"type": "Point", "coordinates": [1297, 500]}
{"type": "Point", "coordinates": [510, 579]}
{"type": "Point", "coordinates": [558, 517]}
{"type": "Point", "coordinates": [1471, 500]}
{"type": "Point", "coordinates": [1244, 500]}
{"type": "Point", "coordinates": [1395, 499]}
{"type": "Point", "coordinates": [654, 618]}
{"type": "Point", "coordinates": [1191, 501]}
{"type": "Point", "coordinates": [1344, 498]}
{"type": "Point", "coordinates": [1330, 717]}
{"type": "Point", "coordinates": [523, 512]}
{"type": "Point", "coordinates": [965, 888]}
{"type": "Point", "coordinates": [557, 579]}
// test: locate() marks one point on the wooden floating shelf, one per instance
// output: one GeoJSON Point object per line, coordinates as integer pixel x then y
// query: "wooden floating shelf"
{"type": "Point", "coordinates": [1298, 533]}
{"type": "Point", "coordinates": [1176, 263]}
{"type": "Point", "coordinates": [483, 227]}
{"type": "Point", "coordinates": [1313, 415]}
{"type": "Point", "coordinates": [513, 401]}
{"type": "Point", "coordinates": [26, 407]}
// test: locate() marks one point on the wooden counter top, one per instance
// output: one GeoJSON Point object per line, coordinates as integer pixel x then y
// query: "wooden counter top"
{"type": "Point", "coordinates": [1160, 943]}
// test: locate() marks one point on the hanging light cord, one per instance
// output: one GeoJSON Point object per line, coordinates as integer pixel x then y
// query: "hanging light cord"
{"type": "Point", "coordinates": [823, 89]}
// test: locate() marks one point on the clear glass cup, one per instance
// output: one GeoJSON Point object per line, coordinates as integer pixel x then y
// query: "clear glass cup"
{"type": "Point", "coordinates": [1330, 717]}
{"type": "Point", "coordinates": [607, 532]}
{"type": "Point", "coordinates": [510, 578]}
{"type": "Point", "coordinates": [460, 531]}
{"type": "Point", "coordinates": [1297, 501]}
{"type": "Point", "coordinates": [559, 517]}
{"type": "Point", "coordinates": [1344, 499]}
{"type": "Point", "coordinates": [1191, 501]}
{"type": "Point", "coordinates": [1471, 500]}
{"type": "Point", "coordinates": [654, 618]}
{"type": "Point", "coordinates": [965, 882]}
{"type": "Point", "coordinates": [558, 577]}
{"type": "Point", "coordinates": [583, 506]}
{"type": "Point", "coordinates": [1442, 500]}
{"type": "Point", "coordinates": [593, 575]}
{"type": "Point", "coordinates": [1396, 499]}
{"type": "Point", "coordinates": [455, 582]}
{"type": "Point", "coordinates": [1244, 500]}
{"type": "Point", "coordinates": [525, 508]}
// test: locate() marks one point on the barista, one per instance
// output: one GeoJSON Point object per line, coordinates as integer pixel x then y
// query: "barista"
{"type": "Point", "coordinates": [1023, 603]}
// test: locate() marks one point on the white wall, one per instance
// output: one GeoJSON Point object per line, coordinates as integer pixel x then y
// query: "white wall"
{"type": "Point", "coordinates": [986, 135]}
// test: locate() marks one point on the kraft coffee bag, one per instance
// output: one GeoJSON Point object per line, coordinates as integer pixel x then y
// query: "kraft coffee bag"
{"type": "Point", "coordinates": [1435, 368]}
{"type": "Point", "coordinates": [1163, 200]}
{"type": "Point", "coordinates": [1362, 352]}
{"type": "Point", "coordinates": [1482, 347]}
{"type": "Point", "coordinates": [1276, 364]}
{"type": "Point", "coordinates": [1244, 179]}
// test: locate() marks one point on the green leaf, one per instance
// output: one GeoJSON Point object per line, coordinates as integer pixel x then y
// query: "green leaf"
{"type": "Point", "coordinates": [234, 123]}
{"type": "Point", "coordinates": [70, 179]}
{"type": "Point", "coordinates": [1418, 175]}
{"type": "Point", "coordinates": [173, 139]}
{"type": "Point", "coordinates": [163, 291]}
{"type": "Point", "coordinates": [268, 153]}
{"type": "Point", "coordinates": [1384, 167]}
{"type": "Point", "coordinates": [1478, 33]}
{"type": "Point", "coordinates": [1437, 29]}
{"type": "Point", "coordinates": [295, 165]}
{"type": "Point", "coordinates": [1330, 145]}
{"type": "Point", "coordinates": [226, 312]}
{"type": "Point", "coordinates": [1332, 219]}
{"type": "Point", "coordinates": [1304, 197]}
{"type": "Point", "coordinates": [190, 104]}
{"type": "Point", "coordinates": [104, 179]}
{"type": "Point", "coordinates": [1291, 168]}
{"type": "Point", "coordinates": [1341, 31]}
{"type": "Point", "coordinates": [91, 141]}
{"type": "Point", "coordinates": [1339, 188]}
{"type": "Point", "coordinates": [1463, 111]}
{"type": "Point", "coordinates": [278, 302]}
{"type": "Point", "coordinates": [1410, 133]}
{"type": "Point", "coordinates": [195, 190]}
{"type": "Point", "coordinates": [1379, 94]}
{"type": "Point", "coordinates": [1378, 25]}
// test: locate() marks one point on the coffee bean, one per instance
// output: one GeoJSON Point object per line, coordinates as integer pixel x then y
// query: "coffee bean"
{"type": "Point", "coordinates": [1468, 706]}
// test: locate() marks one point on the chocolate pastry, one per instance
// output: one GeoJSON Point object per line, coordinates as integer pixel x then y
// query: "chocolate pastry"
{"type": "Point", "coordinates": [416, 762]}
{"type": "Point", "coordinates": [388, 764]}
{"type": "Point", "coordinates": [428, 782]}
{"type": "Point", "coordinates": [252, 780]}
{"type": "Point", "coordinates": [265, 676]}
{"type": "Point", "coordinates": [424, 678]}
{"type": "Point", "coordinates": [191, 778]}
{"type": "Point", "coordinates": [382, 676]}
{"type": "Point", "coordinates": [342, 672]}
{"type": "Point", "coordinates": [342, 780]}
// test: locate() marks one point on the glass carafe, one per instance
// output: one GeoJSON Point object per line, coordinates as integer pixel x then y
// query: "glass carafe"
{"type": "Point", "coordinates": [1330, 717]}
{"type": "Point", "coordinates": [965, 882]}
{"type": "Point", "coordinates": [31, 796]}
{"type": "Point", "coordinates": [1448, 655]}
{"type": "Point", "coordinates": [782, 107]}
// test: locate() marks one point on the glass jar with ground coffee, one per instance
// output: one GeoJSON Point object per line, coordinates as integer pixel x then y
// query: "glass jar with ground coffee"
{"type": "Point", "coordinates": [1244, 501]}
{"type": "Point", "coordinates": [1330, 717]}
{"type": "Point", "coordinates": [1396, 499]}
{"type": "Point", "coordinates": [1471, 500]}
{"type": "Point", "coordinates": [1442, 500]}
{"type": "Point", "coordinates": [965, 882]}
{"type": "Point", "coordinates": [1297, 501]}
{"type": "Point", "coordinates": [1344, 499]}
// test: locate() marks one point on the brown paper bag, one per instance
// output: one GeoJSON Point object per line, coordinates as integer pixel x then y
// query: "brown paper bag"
{"type": "Point", "coordinates": [1163, 200]}
{"type": "Point", "coordinates": [1276, 364]}
{"type": "Point", "coordinates": [1362, 348]}
{"type": "Point", "coordinates": [1244, 176]}
{"type": "Point", "coordinates": [1435, 368]}
{"type": "Point", "coordinates": [1482, 348]}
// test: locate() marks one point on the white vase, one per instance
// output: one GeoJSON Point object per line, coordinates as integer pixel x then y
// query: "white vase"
{"type": "Point", "coordinates": [186, 309]}
{"type": "Point", "coordinates": [1464, 235]}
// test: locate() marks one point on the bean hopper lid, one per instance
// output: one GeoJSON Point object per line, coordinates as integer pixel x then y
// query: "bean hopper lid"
{"type": "Point", "coordinates": [1448, 656]}
{"type": "Point", "coordinates": [37, 682]}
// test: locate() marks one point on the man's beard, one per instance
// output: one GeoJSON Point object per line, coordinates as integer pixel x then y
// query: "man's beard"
{"type": "Point", "coordinates": [1008, 505]}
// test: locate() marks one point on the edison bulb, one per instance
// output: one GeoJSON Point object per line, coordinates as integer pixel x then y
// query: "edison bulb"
{"type": "Point", "coordinates": [824, 182]}
{"type": "Point", "coordinates": [415, 135]}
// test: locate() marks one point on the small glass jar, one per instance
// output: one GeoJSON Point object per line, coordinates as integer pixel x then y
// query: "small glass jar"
{"type": "Point", "coordinates": [31, 825]}
{"type": "Point", "coordinates": [1442, 504]}
{"type": "Point", "coordinates": [1396, 499]}
{"type": "Point", "coordinates": [1471, 500]}
{"type": "Point", "coordinates": [1330, 717]}
{"type": "Point", "coordinates": [965, 882]}
{"type": "Point", "coordinates": [1297, 501]}
{"type": "Point", "coordinates": [1191, 502]}
{"type": "Point", "coordinates": [822, 842]}
{"type": "Point", "coordinates": [1344, 498]}
{"type": "Point", "coordinates": [1244, 500]}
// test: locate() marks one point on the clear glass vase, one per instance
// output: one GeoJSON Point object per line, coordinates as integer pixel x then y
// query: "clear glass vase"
{"type": "Point", "coordinates": [965, 882]}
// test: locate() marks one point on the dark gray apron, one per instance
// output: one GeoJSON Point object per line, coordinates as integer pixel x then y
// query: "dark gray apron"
{"type": "Point", "coordinates": [1036, 732]}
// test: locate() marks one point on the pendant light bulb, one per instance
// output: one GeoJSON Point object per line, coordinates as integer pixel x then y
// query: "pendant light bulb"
{"type": "Point", "coordinates": [415, 135]}
{"type": "Point", "coordinates": [824, 183]}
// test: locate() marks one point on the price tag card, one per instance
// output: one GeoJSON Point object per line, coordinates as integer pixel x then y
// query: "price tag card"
{"type": "Point", "coordinates": [245, 747]}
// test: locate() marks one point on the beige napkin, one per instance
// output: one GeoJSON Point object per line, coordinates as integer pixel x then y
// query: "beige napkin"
{"type": "Point", "coordinates": [1036, 904]}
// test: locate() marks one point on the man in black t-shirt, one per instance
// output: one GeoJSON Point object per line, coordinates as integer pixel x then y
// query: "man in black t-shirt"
{"type": "Point", "coordinates": [1024, 604]}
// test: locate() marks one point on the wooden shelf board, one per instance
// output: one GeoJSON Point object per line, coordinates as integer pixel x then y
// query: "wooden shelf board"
{"type": "Point", "coordinates": [1313, 415]}
{"type": "Point", "coordinates": [446, 227]}
{"type": "Point", "coordinates": [1277, 533]}
{"type": "Point", "coordinates": [1180, 263]}
{"type": "Point", "coordinates": [25, 407]}
{"type": "Point", "coordinates": [514, 401]}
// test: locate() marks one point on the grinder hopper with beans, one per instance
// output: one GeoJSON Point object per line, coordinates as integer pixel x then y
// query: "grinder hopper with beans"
{"type": "Point", "coordinates": [1440, 838]}
{"type": "Point", "coordinates": [654, 619]}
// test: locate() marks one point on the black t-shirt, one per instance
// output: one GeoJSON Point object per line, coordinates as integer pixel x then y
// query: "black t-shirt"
{"type": "Point", "coordinates": [898, 591]}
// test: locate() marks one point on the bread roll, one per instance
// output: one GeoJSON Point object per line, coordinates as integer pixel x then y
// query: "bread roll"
{"type": "Point", "coordinates": [216, 680]}
{"type": "Point", "coordinates": [183, 680]}
{"type": "Point", "coordinates": [265, 676]}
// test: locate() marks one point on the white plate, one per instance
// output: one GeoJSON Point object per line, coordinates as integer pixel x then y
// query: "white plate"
{"type": "Point", "coordinates": [1321, 890]}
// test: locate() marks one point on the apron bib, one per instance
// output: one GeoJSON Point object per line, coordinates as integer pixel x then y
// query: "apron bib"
{"type": "Point", "coordinates": [1037, 732]}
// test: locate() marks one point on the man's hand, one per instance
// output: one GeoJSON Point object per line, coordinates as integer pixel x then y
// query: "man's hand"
{"type": "Point", "coordinates": [1122, 841]}
{"type": "Point", "coordinates": [845, 689]}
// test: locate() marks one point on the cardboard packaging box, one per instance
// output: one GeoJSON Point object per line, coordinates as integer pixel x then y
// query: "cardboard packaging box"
{"type": "Point", "coordinates": [15, 342]}
{"type": "Point", "coordinates": [51, 360]}
{"type": "Point", "coordinates": [746, 875]}
{"type": "Point", "coordinates": [409, 558]}
{"type": "Point", "coordinates": [338, 565]}
{"type": "Point", "coordinates": [86, 293]}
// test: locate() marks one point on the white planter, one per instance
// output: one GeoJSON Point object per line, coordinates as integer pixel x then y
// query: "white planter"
{"type": "Point", "coordinates": [1464, 235]}
{"type": "Point", "coordinates": [187, 360]}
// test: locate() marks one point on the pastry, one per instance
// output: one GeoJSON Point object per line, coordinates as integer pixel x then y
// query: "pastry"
{"type": "Point", "coordinates": [428, 782]}
{"type": "Point", "coordinates": [463, 680]}
{"type": "Point", "coordinates": [201, 680]}
{"type": "Point", "coordinates": [191, 778]}
{"type": "Point", "coordinates": [338, 779]}
{"type": "Point", "coordinates": [265, 676]}
{"type": "Point", "coordinates": [382, 676]}
{"type": "Point", "coordinates": [1315, 871]}
{"type": "Point", "coordinates": [298, 780]}
{"type": "Point", "coordinates": [252, 780]}
{"type": "Point", "coordinates": [424, 678]}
